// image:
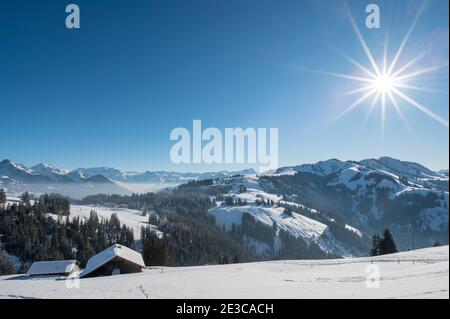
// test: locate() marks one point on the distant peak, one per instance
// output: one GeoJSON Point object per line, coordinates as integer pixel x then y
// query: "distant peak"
{"type": "Point", "coordinates": [46, 168]}
{"type": "Point", "coordinates": [42, 165]}
{"type": "Point", "coordinates": [15, 165]}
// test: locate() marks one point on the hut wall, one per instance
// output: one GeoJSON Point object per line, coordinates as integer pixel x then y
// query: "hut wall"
{"type": "Point", "coordinates": [125, 266]}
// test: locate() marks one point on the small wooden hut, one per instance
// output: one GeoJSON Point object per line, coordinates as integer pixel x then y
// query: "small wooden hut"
{"type": "Point", "coordinates": [114, 260]}
{"type": "Point", "coordinates": [53, 268]}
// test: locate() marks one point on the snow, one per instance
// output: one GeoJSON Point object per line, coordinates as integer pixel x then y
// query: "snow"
{"type": "Point", "coordinates": [227, 216]}
{"type": "Point", "coordinates": [345, 177]}
{"type": "Point", "coordinates": [420, 274]}
{"type": "Point", "coordinates": [130, 217]}
{"type": "Point", "coordinates": [353, 229]}
{"type": "Point", "coordinates": [47, 170]}
{"type": "Point", "coordinates": [110, 253]}
{"type": "Point", "coordinates": [331, 245]}
{"type": "Point", "coordinates": [359, 178]}
{"type": "Point", "coordinates": [52, 267]}
{"type": "Point", "coordinates": [10, 200]}
{"type": "Point", "coordinates": [415, 173]}
{"type": "Point", "coordinates": [414, 191]}
{"type": "Point", "coordinates": [297, 225]}
{"type": "Point", "coordinates": [411, 170]}
{"type": "Point", "coordinates": [7, 167]}
{"type": "Point", "coordinates": [292, 204]}
{"type": "Point", "coordinates": [283, 171]}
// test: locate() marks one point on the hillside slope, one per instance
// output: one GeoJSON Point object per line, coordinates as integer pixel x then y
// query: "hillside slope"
{"type": "Point", "coordinates": [304, 223]}
{"type": "Point", "coordinates": [420, 274]}
{"type": "Point", "coordinates": [372, 195]}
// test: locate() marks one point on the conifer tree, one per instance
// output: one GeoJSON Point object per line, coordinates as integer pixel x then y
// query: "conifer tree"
{"type": "Point", "coordinates": [387, 244]}
{"type": "Point", "coordinates": [2, 196]}
{"type": "Point", "coordinates": [375, 250]}
{"type": "Point", "coordinates": [6, 267]}
{"type": "Point", "coordinates": [25, 197]}
{"type": "Point", "coordinates": [382, 245]}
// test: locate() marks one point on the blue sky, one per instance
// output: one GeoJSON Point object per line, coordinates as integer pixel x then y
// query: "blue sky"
{"type": "Point", "coordinates": [110, 93]}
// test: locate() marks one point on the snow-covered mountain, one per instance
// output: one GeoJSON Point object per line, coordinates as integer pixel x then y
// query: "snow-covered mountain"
{"type": "Point", "coordinates": [156, 176]}
{"type": "Point", "coordinates": [43, 178]}
{"type": "Point", "coordinates": [13, 170]}
{"type": "Point", "coordinates": [336, 205]}
{"type": "Point", "coordinates": [16, 177]}
{"type": "Point", "coordinates": [108, 172]}
{"type": "Point", "coordinates": [250, 208]}
{"type": "Point", "coordinates": [410, 171]}
{"type": "Point", "coordinates": [49, 170]}
{"type": "Point", "coordinates": [373, 194]}
{"type": "Point", "coordinates": [42, 173]}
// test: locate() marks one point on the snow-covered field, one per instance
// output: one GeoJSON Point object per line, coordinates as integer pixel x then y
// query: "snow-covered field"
{"type": "Point", "coordinates": [298, 225]}
{"type": "Point", "coordinates": [130, 217]}
{"type": "Point", "coordinates": [420, 274]}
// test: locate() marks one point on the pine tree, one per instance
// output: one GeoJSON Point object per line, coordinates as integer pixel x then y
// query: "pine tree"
{"type": "Point", "coordinates": [387, 244]}
{"type": "Point", "coordinates": [154, 250]}
{"type": "Point", "coordinates": [6, 267]}
{"type": "Point", "coordinates": [375, 250]}
{"type": "Point", "coordinates": [25, 197]}
{"type": "Point", "coordinates": [114, 229]}
{"type": "Point", "coordinates": [2, 196]}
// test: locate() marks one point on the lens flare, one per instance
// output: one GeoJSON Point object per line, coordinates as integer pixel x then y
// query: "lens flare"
{"type": "Point", "coordinates": [384, 84]}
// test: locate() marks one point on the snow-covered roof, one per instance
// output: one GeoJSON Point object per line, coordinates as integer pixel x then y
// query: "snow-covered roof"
{"type": "Point", "coordinates": [110, 253]}
{"type": "Point", "coordinates": [52, 267]}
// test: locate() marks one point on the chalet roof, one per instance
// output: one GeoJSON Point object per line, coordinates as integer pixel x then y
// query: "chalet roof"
{"type": "Point", "coordinates": [52, 267]}
{"type": "Point", "coordinates": [110, 253]}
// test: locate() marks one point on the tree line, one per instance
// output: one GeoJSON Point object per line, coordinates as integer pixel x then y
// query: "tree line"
{"type": "Point", "coordinates": [190, 234]}
{"type": "Point", "coordinates": [44, 231]}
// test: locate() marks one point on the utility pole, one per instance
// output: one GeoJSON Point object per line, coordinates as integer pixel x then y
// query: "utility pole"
{"type": "Point", "coordinates": [412, 237]}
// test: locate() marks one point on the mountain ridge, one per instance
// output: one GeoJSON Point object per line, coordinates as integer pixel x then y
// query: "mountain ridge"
{"type": "Point", "coordinates": [44, 177]}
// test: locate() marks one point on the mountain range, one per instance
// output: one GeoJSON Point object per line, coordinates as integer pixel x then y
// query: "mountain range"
{"type": "Point", "coordinates": [17, 177]}
{"type": "Point", "coordinates": [336, 205]}
{"type": "Point", "coordinates": [373, 194]}
{"type": "Point", "coordinates": [410, 171]}
{"type": "Point", "coordinates": [41, 178]}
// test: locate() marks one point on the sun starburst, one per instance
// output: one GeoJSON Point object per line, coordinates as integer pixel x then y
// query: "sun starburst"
{"type": "Point", "coordinates": [385, 84]}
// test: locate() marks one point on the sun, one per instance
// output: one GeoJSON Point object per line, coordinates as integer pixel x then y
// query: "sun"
{"type": "Point", "coordinates": [384, 84]}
